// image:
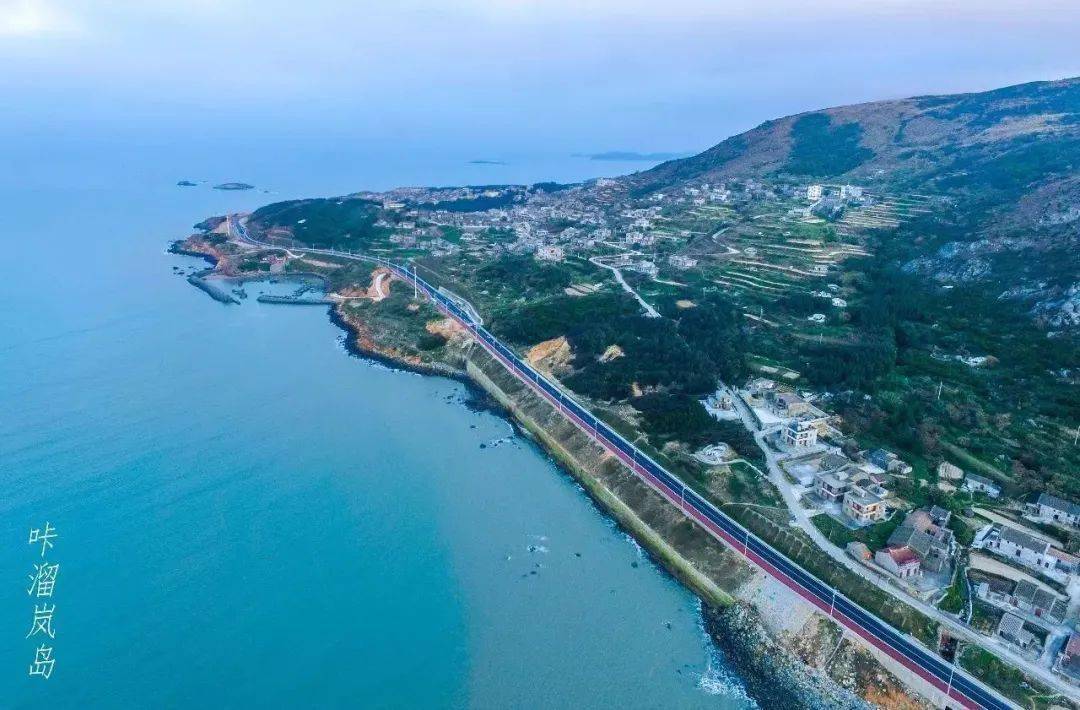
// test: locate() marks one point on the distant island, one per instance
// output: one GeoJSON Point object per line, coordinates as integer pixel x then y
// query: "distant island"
{"type": "Point", "coordinates": [234, 186]}
{"type": "Point", "coordinates": [486, 162]}
{"type": "Point", "coordinates": [630, 156]}
{"type": "Point", "coordinates": [186, 183]}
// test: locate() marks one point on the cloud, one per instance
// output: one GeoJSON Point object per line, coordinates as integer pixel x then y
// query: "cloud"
{"type": "Point", "coordinates": [29, 19]}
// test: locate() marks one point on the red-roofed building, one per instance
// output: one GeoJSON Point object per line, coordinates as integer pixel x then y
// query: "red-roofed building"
{"type": "Point", "coordinates": [1068, 661]}
{"type": "Point", "coordinates": [901, 561]}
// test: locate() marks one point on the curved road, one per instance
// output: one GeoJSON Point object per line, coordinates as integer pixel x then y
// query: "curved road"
{"type": "Point", "coordinates": [953, 682]}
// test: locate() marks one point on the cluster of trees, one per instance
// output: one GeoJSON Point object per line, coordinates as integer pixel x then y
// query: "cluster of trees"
{"type": "Point", "coordinates": [820, 148]}
{"type": "Point", "coordinates": [329, 223]}
{"type": "Point", "coordinates": [524, 276]}
{"type": "Point", "coordinates": [890, 313]}
{"type": "Point", "coordinates": [476, 204]}
{"type": "Point", "coordinates": [850, 364]}
{"type": "Point", "coordinates": [678, 417]}
{"type": "Point", "coordinates": [680, 356]}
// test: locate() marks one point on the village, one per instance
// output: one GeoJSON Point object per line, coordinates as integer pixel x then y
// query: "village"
{"type": "Point", "coordinates": [644, 235]}
{"type": "Point", "coordinates": [1016, 583]}
{"type": "Point", "coordinates": [943, 535]}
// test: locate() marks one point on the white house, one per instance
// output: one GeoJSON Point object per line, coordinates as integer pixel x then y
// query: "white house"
{"type": "Point", "coordinates": [1027, 550]}
{"type": "Point", "coordinates": [813, 192]}
{"type": "Point", "coordinates": [800, 434]}
{"type": "Point", "coordinates": [850, 192]}
{"type": "Point", "coordinates": [980, 484]}
{"type": "Point", "coordinates": [1051, 509]}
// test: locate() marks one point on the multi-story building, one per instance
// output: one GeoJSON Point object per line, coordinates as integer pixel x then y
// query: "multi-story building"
{"type": "Point", "coordinates": [800, 434]}
{"type": "Point", "coordinates": [1068, 661]}
{"type": "Point", "coordinates": [682, 262]}
{"type": "Point", "coordinates": [550, 253]}
{"type": "Point", "coordinates": [863, 506]}
{"type": "Point", "coordinates": [831, 488]}
{"type": "Point", "coordinates": [925, 533]}
{"type": "Point", "coordinates": [786, 404]}
{"type": "Point", "coordinates": [850, 192]}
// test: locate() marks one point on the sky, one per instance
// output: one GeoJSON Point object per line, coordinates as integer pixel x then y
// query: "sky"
{"type": "Point", "coordinates": [490, 78]}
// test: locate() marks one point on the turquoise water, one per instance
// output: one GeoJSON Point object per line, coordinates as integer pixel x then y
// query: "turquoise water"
{"type": "Point", "coordinates": [250, 517]}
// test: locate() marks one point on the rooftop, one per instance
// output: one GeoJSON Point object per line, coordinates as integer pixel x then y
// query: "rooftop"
{"type": "Point", "coordinates": [1067, 507]}
{"type": "Point", "coordinates": [902, 555]}
{"type": "Point", "coordinates": [1022, 539]}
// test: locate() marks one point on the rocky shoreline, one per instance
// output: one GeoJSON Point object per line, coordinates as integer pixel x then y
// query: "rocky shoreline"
{"type": "Point", "coordinates": [776, 661]}
{"type": "Point", "coordinates": [776, 666]}
{"type": "Point", "coordinates": [774, 678]}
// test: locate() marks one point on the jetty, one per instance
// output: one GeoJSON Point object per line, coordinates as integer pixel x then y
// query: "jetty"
{"type": "Point", "coordinates": [212, 290]}
{"type": "Point", "coordinates": [295, 300]}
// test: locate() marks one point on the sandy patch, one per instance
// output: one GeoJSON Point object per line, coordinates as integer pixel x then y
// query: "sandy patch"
{"type": "Point", "coordinates": [320, 264]}
{"type": "Point", "coordinates": [380, 284]}
{"type": "Point", "coordinates": [612, 352]}
{"type": "Point", "coordinates": [550, 355]}
{"type": "Point", "coordinates": [446, 327]}
{"type": "Point", "coordinates": [581, 289]}
{"type": "Point", "coordinates": [352, 292]}
{"type": "Point", "coordinates": [377, 291]}
{"type": "Point", "coordinates": [685, 303]}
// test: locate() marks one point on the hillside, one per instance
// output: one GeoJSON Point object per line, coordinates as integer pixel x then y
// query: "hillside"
{"type": "Point", "coordinates": [914, 263]}
{"type": "Point", "coordinates": [1007, 161]}
{"type": "Point", "coordinates": [904, 272]}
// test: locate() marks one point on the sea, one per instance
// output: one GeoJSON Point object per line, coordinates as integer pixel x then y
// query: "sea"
{"type": "Point", "coordinates": [218, 506]}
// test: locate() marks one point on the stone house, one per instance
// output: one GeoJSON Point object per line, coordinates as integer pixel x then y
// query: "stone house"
{"type": "Point", "coordinates": [1011, 628]}
{"type": "Point", "coordinates": [931, 541]}
{"type": "Point", "coordinates": [900, 560]}
{"type": "Point", "coordinates": [1051, 509]}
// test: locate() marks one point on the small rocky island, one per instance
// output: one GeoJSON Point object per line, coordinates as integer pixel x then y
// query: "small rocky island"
{"type": "Point", "coordinates": [234, 186]}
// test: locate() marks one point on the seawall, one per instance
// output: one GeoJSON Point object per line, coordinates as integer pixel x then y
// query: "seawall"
{"type": "Point", "coordinates": [585, 460]}
{"type": "Point", "coordinates": [211, 290]}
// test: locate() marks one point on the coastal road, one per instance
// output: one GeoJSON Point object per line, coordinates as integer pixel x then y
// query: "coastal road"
{"type": "Point", "coordinates": [954, 683]}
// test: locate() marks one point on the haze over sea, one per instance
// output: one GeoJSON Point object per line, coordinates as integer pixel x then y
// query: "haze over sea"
{"type": "Point", "coordinates": [249, 516]}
